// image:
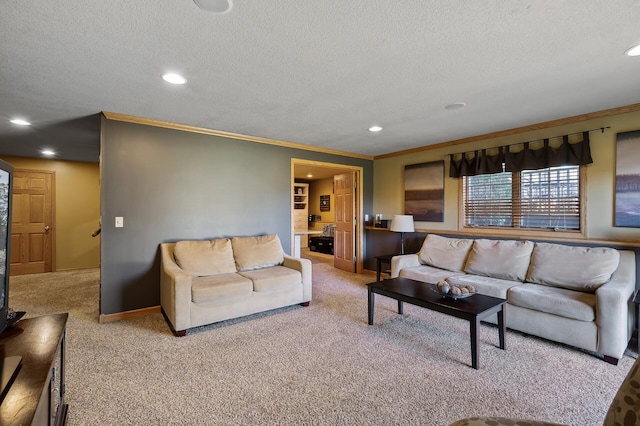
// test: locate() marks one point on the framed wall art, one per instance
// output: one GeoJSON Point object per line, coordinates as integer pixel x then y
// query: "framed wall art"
{"type": "Point", "coordinates": [627, 212]}
{"type": "Point", "coordinates": [424, 191]}
{"type": "Point", "coordinates": [325, 203]}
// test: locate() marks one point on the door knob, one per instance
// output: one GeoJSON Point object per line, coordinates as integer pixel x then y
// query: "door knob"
{"type": "Point", "coordinates": [46, 228]}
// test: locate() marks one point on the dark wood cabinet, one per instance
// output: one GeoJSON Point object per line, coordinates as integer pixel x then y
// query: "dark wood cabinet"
{"type": "Point", "coordinates": [321, 244]}
{"type": "Point", "coordinates": [36, 396]}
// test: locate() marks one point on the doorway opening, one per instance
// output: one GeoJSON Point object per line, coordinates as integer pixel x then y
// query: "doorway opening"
{"type": "Point", "coordinates": [333, 198]}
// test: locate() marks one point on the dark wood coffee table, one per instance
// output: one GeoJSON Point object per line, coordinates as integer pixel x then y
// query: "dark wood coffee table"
{"type": "Point", "coordinates": [474, 308]}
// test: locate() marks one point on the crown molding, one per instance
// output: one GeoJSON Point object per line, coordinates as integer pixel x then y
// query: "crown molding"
{"type": "Point", "coordinates": [518, 130]}
{"type": "Point", "coordinates": [194, 129]}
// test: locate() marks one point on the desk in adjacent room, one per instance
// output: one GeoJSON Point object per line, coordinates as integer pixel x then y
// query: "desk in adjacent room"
{"type": "Point", "coordinates": [296, 240]}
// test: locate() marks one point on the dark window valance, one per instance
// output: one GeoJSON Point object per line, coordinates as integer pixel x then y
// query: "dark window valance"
{"type": "Point", "coordinates": [479, 162]}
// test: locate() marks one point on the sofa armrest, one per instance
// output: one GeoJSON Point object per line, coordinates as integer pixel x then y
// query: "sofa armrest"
{"type": "Point", "coordinates": [175, 289]}
{"type": "Point", "coordinates": [613, 314]}
{"type": "Point", "coordinates": [304, 267]}
{"type": "Point", "coordinates": [402, 261]}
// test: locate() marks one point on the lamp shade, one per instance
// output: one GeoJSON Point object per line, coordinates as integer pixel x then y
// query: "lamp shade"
{"type": "Point", "coordinates": [402, 223]}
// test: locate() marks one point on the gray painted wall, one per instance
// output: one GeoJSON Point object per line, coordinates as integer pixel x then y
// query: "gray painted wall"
{"type": "Point", "coordinates": [170, 185]}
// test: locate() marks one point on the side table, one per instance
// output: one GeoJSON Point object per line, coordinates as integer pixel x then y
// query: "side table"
{"type": "Point", "coordinates": [380, 260]}
{"type": "Point", "coordinates": [37, 395]}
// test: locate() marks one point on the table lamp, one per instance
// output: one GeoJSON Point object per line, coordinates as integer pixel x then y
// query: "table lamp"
{"type": "Point", "coordinates": [402, 223]}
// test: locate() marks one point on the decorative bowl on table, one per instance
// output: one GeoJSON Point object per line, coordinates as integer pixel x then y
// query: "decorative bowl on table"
{"type": "Point", "coordinates": [452, 291]}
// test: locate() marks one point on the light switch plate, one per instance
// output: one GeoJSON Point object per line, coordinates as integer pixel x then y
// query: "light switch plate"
{"type": "Point", "coordinates": [119, 222]}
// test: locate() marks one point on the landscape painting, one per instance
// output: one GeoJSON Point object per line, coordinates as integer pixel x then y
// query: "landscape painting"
{"type": "Point", "coordinates": [424, 191]}
{"type": "Point", "coordinates": [628, 179]}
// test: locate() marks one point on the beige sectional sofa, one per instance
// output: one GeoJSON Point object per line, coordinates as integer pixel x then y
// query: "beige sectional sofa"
{"type": "Point", "coordinates": [579, 296]}
{"type": "Point", "coordinates": [202, 282]}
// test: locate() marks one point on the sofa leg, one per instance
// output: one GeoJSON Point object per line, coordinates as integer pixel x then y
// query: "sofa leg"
{"type": "Point", "coordinates": [180, 333]}
{"type": "Point", "coordinates": [611, 360]}
{"type": "Point", "coordinates": [305, 304]}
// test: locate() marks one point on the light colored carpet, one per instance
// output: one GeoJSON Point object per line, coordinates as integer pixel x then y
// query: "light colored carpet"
{"type": "Point", "coordinates": [316, 365]}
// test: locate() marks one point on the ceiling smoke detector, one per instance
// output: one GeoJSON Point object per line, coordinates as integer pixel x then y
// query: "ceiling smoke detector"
{"type": "Point", "coordinates": [215, 6]}
{"type": "Point", "coordinates": [456, 105]}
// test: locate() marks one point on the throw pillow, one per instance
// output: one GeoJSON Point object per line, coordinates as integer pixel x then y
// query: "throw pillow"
{"type": "Point", "coordinates": [574, 268]}
{"type": "Point", "coordinates": [445, 253]}
{"type": "Point", "coordinates": [257, 252]}
{"type": "Point", "coordinates": [202, 258]}
{"type": "Point", "coordinates": [505, 259]}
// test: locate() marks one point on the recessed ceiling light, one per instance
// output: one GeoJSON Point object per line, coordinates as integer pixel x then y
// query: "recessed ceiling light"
{"type": "Point", "coordinates": [633, 51]}
{"type": "Point", "coordinates": [309, 175]}
{"type": "Point", "coordinates": [174, 78]}
{"type": "Point", "coordinates": [216, 6]}
{"type": "Point", "coordinates": [375, 129]}
{"type": "Point", "coordinates": [20, 122]}
{"type": "Point", "coordinates": [48, 152]}
{"type": "Point", "coordinates": [457, 105]}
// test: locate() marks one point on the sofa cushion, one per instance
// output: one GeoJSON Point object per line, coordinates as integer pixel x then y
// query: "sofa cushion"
{"type": "Point", "coordinates": [200, 258]}
{"type": "Point", "coordinates": [216, 288]}
{"type": "Point", "coordinates": [574, 268]}
{"type": "Point", "coordinates": [445, 253]}
{"type": "Point", "coordinates": [427, 274]}
{"type": "Point", "coordinates": [488, 286]}
{"type": "Point", "coordinates": [273, 278]}
{"type": "Point", "coordinates": [557, 301]}
{"type": "Point", "coordinates": [257, 252]}
{"type": "Point", "coordinates": [504, 259]}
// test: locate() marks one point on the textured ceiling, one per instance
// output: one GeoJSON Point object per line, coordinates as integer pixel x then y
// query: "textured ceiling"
{"type": "Point", "coordinates": [311, 72]}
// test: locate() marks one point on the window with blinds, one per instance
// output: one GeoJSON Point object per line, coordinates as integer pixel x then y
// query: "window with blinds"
{"type": "Point", "coordinates": [535, 199]}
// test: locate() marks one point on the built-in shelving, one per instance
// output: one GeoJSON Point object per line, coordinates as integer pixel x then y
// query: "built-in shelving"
{"type": "Point", "coordinates": [300, 195]}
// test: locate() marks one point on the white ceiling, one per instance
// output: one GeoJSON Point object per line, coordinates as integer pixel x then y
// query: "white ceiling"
{"type": "Point", "coordinates": [311, 72]}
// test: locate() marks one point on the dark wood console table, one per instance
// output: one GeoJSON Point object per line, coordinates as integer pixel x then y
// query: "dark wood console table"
{"type": "Point", "coordinates": [36, 397]}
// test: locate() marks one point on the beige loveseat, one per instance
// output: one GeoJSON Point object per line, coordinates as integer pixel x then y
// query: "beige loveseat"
{"type": "Point", "coordinates": [202, 282]}
{"type": "Point", "coordinates": [578, 296]}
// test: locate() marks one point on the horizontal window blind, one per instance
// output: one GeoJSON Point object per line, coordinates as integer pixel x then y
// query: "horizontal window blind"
{"type": "Point", "coordinates": [550, 198]}
{"type": "Point", "coordinates": [538, 199]}
{"type": "Point", "coordinates": [488, 200]}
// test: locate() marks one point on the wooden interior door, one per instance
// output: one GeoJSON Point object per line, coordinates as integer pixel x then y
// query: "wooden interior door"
{"type": "Point", "coordinates": [344, 238]}
{"type": "Point", "coordinates": [32, 222]}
